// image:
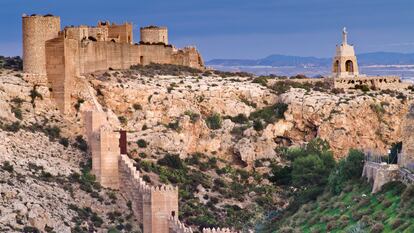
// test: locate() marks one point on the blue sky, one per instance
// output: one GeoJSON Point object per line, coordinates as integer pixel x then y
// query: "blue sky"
{"type": "Point", "coordinates": [237, 28]}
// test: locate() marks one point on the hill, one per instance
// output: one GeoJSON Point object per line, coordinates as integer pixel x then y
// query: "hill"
{"type": "Point", "coordinates": [356, 210]}
{"type": "Point", "coordinates": [277, 60]}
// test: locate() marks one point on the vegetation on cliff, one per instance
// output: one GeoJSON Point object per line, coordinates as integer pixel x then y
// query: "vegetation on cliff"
{"type": "Point", "coordinates": [355, 209]}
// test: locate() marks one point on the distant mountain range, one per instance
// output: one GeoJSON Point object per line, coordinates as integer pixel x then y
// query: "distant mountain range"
{"type": "Point", "coordinates": [365, 59]}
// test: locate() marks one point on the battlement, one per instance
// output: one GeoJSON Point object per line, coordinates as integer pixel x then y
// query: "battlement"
{"type": "Point", "coordinates": [217, 230]}
{"type": "Point", "coordinates": [177, 227]}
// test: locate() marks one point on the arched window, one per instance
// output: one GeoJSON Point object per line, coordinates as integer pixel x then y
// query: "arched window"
{"type": "Point", "coordinates": [349, 66]}
{"type": "Point", "coordinates": [336, 66]}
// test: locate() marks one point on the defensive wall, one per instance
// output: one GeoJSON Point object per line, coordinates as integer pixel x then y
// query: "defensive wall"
{"type": "Point", "coordinates": [156, 207]}
{"type": "Point", "coordinates": [55, 58]}
{"type": "Point", "coordinates": [381, 173]}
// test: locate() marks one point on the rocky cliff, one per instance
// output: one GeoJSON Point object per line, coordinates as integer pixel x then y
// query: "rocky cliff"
{"type": "Point", "coordinates": [172, 114]}
{"type": "Point", "coordinates": [238, 120]}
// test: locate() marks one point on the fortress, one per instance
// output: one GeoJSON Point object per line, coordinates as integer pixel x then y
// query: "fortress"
{"type": "Point", "coordinates": [54, 57]}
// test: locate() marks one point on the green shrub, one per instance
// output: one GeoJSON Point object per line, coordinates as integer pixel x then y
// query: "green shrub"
{"type": "Point", "coordinates": [142, 143]}
{"type": "Point", "coordinates": [214, 121]}
{"type": "Point", "coordinates": [78, 104]}
{"type": "Point", "coordinates": [172, 161]}
{"type": "Point", "coordinates": [29, 229]}
{"type": "Point", "coordinates": [281, 175]}
{"type": "Point", "coordinates": [262, 80]}
{"type": "Point", "coordinates": [17, 112]}
{"type": "Point", "coordinates": [13, 127]}
{"type": "Point", "coordinates": [64, 142]}
{"type": "Point", "coordinates": [194, 117]}
{"type": "Point", "coordinates": [137, 106]}
{"type": "Point", "coordinates": [123, 120]}
{"type": "Point", "coordinates": [240, 119]}
{"type": "Point", "coordinates": [80, 143]}
{"type": "Point", "coordinates": [408, 194]}
{"type": "Point", "coordinates": [7, 166]}
{"type": "Point", "coordinates": [174, 126]}
{"type": "Point", "coordinates": [146, 178]}
{"type": "Point", "coordinates": [52, 132]}
{"type": "Point", "coordinates": [258, 125]}
{"type": "Point", "coordinates": [271, 113]}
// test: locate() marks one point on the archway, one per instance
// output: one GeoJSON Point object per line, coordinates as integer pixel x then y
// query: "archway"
{"type": "Point", "coordinates": [349, 66]}
{"type": "Point", "coordinates": [336, 66]}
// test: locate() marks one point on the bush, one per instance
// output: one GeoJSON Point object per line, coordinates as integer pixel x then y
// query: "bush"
{"type": "Point", "coordinates": [64, 142]}
{"type": "Point", "coordinates": [142, 143]}
{"type": "Point", "coordinates": [271, 113]}
{"type": "Point", "coordinates": [7, 166]}
{"type": "Point", "coordinates": [137, 106]}
{"type": "Point", "coordinates": [347, 169]}
{"type": "Point", "coordinates": [194, 117]}
{"type": "Point", "coordinates": [258, 125]}
{"type": "Point", "coordinates": [123, 120]}
{"type": "Point", "coordinates": [262, 80]}
{"type": "Point", "coordinates": [408, 194]}
{"type": "Point", "coordinates": [172, 161]}
{"type": "Point", "coordinates": [240, 119]}
{"type": "Point", "coordinates": [80, 143]}
{"type": "Point", "coordinates": [281, 175]}
{"type": "Point", "coordinates": [214, 121]}
{"type": "Point", "coordinates": [377, 228]}
{"type": "Point", "coordinates": [174, 126]}
{"type": "Point", "coordinates": [29, 229]}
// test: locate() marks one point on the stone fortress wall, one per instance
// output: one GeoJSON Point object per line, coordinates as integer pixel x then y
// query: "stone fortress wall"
{"type": "Point", "coordinates": [55, 57]}
{"type": "Point", "coordinates": [155, 207]}
{"type": "Point", "coordinates": [381, 173]}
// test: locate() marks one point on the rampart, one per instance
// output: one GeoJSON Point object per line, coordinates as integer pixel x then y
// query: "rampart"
{"type": "Point", "coordinates": [156, 207]}
{"type": "Point", "coordinates": [380, 174]}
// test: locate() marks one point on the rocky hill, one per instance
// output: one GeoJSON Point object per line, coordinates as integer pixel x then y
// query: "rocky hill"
{"type": "Point", "coordinates": [215, 135]}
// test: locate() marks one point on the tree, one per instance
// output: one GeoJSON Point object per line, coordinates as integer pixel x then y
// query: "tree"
{"type": "Point", "coordinates": [347, 169]}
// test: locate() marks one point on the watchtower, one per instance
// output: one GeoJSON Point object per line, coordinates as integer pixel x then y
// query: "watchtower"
{"type": "Point", "coordinates": [154, 35]}
{"type": "Point", "coordinates": [37, 29]}
{"type": "Point", "coordinates": [345, 63]}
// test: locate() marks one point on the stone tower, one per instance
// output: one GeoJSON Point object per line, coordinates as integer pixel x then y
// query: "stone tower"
{"type": "Point", "coordinates": [37, 29]}
{"type": "Point", "coordinates": [104, 146]}
{"type": "Point", "coordinates": [345, 63]}
{"type": "Point", "coordinates": [154, 35]}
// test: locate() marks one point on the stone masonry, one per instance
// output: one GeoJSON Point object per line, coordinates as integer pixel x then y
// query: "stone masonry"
{"type": "Point", "coordinates": [56, 57]}
{"type": "Point", "coordinates": [155, 207]}
{"type": "Point", "coordinates": [381, 173]}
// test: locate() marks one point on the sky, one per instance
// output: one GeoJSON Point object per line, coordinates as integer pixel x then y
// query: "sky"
{"type": "Point", "coordinates": [242, 29]}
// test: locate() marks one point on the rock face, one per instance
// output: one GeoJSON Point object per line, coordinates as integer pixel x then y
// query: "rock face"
{"type": "Point", "coordinates": [368, 122]}
{"type": "Point", "coordinates": [38, 183]}
{"type": "Point", "coordinates": [170, 114]}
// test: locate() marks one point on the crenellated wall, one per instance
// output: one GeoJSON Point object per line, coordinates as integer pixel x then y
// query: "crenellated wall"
{"type": "Point", "coordinates": [156, 207]}
{"type": "Point", "coordinates": [153, 206]}
{"type": "Point", "coordinates": [176, 226]}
